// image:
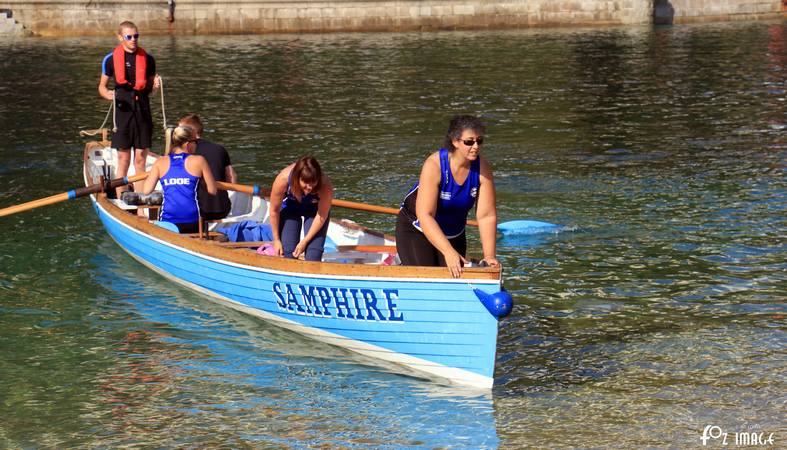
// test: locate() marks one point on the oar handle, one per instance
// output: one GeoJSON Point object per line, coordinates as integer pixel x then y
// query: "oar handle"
{"type": "Point", "coordinates": [72, 194]}
{"type": "Point", "coordinates": [117, 182]}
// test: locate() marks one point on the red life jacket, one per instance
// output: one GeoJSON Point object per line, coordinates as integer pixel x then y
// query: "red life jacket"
{"type": "Point", "coordinates": [141, 64]}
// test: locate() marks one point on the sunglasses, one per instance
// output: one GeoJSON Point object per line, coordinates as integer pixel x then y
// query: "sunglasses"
{"type": "Point", "coordinates": [471, 142]}
{"type": "Point", "coordinates": [129, 37]}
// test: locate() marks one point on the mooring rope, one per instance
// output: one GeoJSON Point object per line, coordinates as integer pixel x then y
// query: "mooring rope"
{"type": "Point", "coordinates": [167, 130]}
{"type": "Point", "coordinates": [163, 109]}
{"type": "Point", "coordinates": [113, 110]}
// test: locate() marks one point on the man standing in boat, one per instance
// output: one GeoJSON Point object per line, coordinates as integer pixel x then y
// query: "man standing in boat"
{"type": "Point", "coordinates": [134, 74]}
{"type": "Point", "coordinates": [211, 207]}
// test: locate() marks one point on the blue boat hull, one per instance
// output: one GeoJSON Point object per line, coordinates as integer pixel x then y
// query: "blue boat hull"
{"type": "Point", "coordinates": [434, 327]}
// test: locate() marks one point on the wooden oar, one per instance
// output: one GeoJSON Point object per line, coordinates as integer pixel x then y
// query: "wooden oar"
{"type": "Point", "coordinates": [511, 227]}
{"type": "Point", "coordinates": [72, 194]}
{"type": "Point", "coordinates": [245, 188]}
{"type": "Point", "coordinates": [265, 192]}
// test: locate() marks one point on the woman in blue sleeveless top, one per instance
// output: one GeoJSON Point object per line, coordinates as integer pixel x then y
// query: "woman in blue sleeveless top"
{"type": "Point", "coordinates": [430, 227]}
{"type": "Point", "coordinates": [180, 172]}
{"type": "Point", "coordinates": [301, 195]}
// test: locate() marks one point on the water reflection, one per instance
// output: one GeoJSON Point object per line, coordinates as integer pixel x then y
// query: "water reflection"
{"type": "Point", "coordinates": [187, 364]}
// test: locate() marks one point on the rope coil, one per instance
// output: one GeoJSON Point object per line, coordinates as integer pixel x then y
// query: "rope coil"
{"type": "Point", "coordinates": [111, 110]}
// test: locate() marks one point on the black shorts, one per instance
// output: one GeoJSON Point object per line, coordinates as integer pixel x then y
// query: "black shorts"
{"type": "Point", "coordinates": [188, 227]}
{"type": "Point", "coordinates": [414, 248]}
{"type": "Point", "coordinates": [134, 124]}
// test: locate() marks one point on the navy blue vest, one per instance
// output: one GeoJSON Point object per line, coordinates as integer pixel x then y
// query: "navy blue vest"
{"type": "Point", "coordinates": [454, 200]}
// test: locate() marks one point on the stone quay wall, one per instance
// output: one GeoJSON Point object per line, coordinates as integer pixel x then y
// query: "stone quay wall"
{"type": "Point", "coordinates": [100, 17]}
{"type": "Point", "coordinates": [691, 11]}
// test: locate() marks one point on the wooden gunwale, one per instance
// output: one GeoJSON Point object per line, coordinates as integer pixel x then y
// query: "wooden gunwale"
{"type": "Point", "coordinates": [216, 250]}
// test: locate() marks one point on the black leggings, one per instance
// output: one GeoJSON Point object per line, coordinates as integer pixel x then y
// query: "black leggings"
{"type": "Point", "coordinates": [290, 234]}
{"type": "Point", "coordinates": [415, 249]}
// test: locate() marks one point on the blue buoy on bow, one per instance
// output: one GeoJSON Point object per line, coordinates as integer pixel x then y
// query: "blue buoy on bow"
{"type": "Point", "coordinates": [498, 304]}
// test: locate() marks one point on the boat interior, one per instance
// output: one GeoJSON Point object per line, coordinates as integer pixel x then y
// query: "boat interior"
{"type": "Point", "coordinates": [347, 241]}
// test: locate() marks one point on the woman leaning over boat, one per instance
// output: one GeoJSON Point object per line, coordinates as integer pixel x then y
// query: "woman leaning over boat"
{"type": "Point", "coordinates": [300, 196]}
{"type": "Point", "coordinates": [180, 172]}
{"type": "Point", "coordinates": [430, 227]}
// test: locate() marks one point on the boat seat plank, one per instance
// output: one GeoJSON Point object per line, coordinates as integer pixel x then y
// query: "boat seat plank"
{"type": "Point", "coordinates": [210, 236]}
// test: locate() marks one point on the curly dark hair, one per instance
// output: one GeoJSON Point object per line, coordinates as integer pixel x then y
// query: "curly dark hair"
{"type": "Point", "coordinates": [458, 125]}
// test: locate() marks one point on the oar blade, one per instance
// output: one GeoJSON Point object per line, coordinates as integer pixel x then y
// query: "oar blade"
{"type": "Point", "coordinates": [527, 227]}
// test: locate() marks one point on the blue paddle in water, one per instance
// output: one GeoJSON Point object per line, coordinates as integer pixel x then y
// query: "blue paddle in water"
{"type": "Point", "coordinates": [523, 226]}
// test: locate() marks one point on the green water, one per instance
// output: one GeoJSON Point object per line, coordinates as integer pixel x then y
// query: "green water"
{"type": "Point", "coordinates": [660, 313]}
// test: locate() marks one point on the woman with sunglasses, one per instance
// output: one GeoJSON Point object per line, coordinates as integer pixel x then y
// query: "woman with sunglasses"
{"type": "Point", "coordinates": [300, 196]}
{"type": "Point", "coordinates": [430, 227]}
{"type": "Point", "coordinates": [180, 172]}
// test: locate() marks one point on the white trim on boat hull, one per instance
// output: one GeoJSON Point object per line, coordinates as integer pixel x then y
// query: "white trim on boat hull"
{"type": "Point", "coordinates": [428, 368]}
